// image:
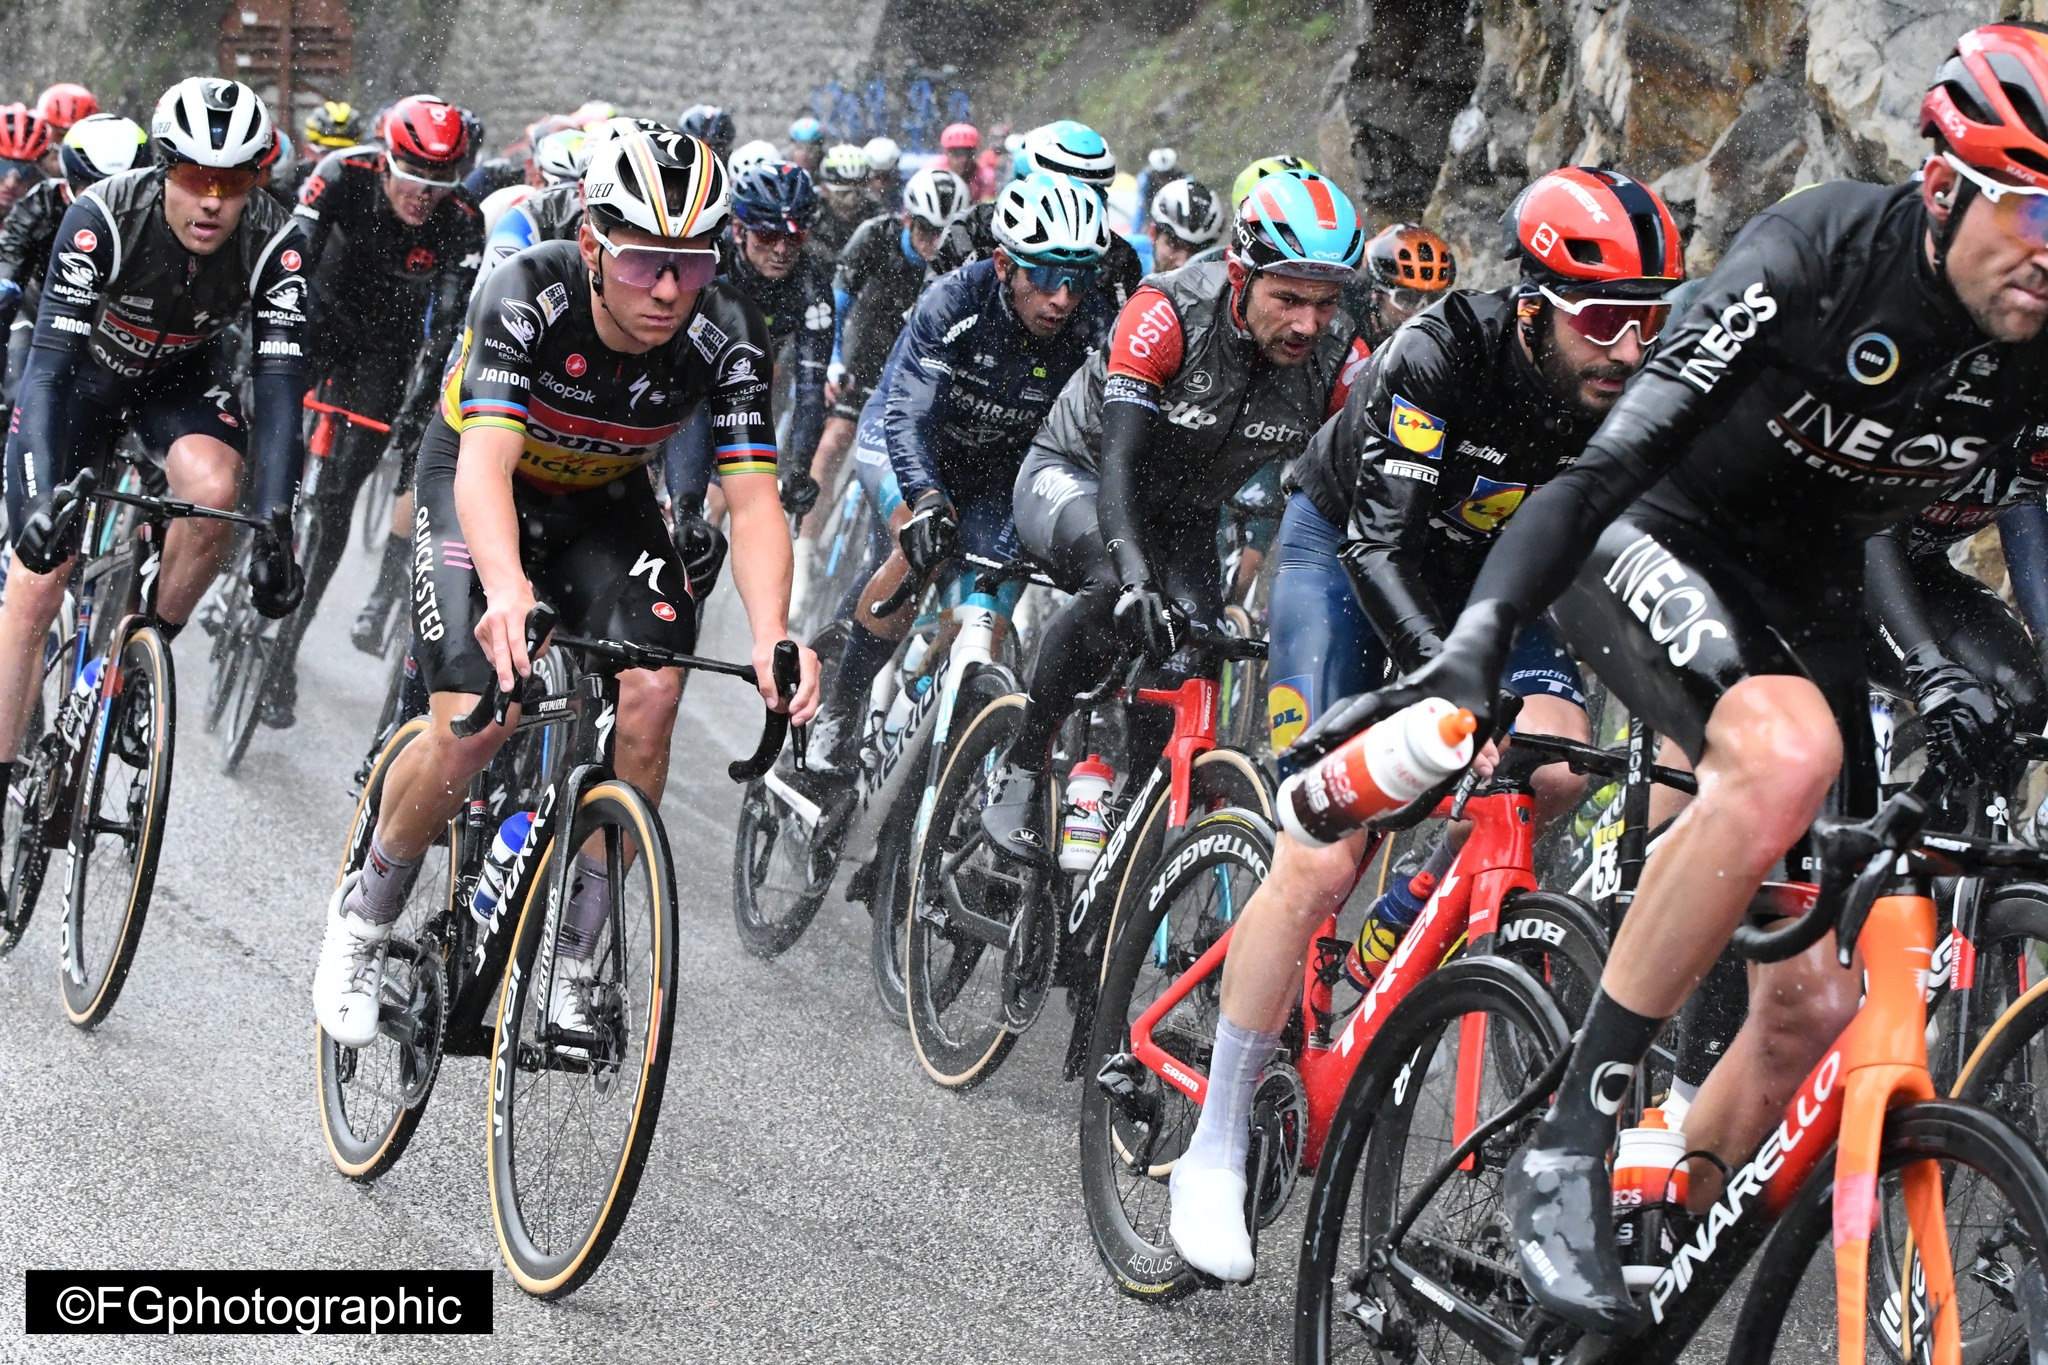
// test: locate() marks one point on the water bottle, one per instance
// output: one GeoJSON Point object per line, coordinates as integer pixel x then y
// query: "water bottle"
{"type": "Point", "coordinates": [1649, 1171]}
{"type": "Point", "coordinates": [71, 720]}
{"type": "Point", "coordinates": [907, 697]}
{"type": "Point", "coordinates": [1085, 829]}
{"type": "Point", "coordinates": [1380, 770]}
{"type": "Point", "coordinates": [1385, 925]}
{"type": "Point", "coordinates": [89, 677]}
{"type": "Point", "coordinates": [490, 887]}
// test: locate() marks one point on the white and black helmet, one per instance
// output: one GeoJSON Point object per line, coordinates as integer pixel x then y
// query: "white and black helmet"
{"type": "Point", "coordinates": [1190, 211]}
{"type": "Point", "coordinates": [1070, 148]}
{"type": "Point", "coordinates": [937, 196]}
{"type": "Point", "coordinates": [666, 183]}
{"type": "Point", "coordinates": [1050, 219]}
{"type": "Point", "coordinates": [212, 122]}
{"type": "Point", "coordinates": [752, 154]}
{"type": "Point", "coordinates": [100, 145]}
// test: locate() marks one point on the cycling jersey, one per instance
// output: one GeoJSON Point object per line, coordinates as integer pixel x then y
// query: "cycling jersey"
{"type": "Point", "coordinates": [124, 295]}
{"type": "Point", "coordinates": [967, 385]}
{"type": "Point", "coordinates": [493, 175]}
{"type": "Point", "coordinates": [27, 236]}
{"type": "Point", "coordinates": [549, 215]}
{"type": "Point", "coordinates": [831, 231]}
{"type": "Point", "coordinates": [799, 306]}
{"type": "Point", "coordinates": [1447, 428]}
{"type": "Point", "coordinates": [530, 360]}
{"type": "Point", "coordinates": [878, 280]}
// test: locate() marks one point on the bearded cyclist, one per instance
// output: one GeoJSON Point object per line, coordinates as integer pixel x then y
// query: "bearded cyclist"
{"type": "Point", "coordinates": [1187, 218]}
{"type": "Point", "coordinates": [1447, 428]}
{"type": "Point", "coordinates": [576, 363]}
{"type": "Point", "coordinates": [393, 240]}
{"type": "Point", "coordinates": [1859, 351]}
{"type": "Point", "coordinates": [1213, 372]}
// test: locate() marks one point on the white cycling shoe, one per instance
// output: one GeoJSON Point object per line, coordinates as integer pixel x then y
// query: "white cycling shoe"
{"type": "Point", "coordinates": [345, 985]}
{"type": "Point", "coordinates": [1207, 1226]}
{"type": "Point", "coordinates": [569, 996]}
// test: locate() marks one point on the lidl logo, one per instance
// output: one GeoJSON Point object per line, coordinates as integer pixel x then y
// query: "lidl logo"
{"type": "Point", "coordinates": [1414, 429]}
{"type": "Point", "coordinates": [1287, 711]}
{"type": "Point", "coordinates": [1491, 503]}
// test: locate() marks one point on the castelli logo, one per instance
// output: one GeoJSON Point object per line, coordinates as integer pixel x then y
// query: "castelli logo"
{"type": "Point", "coordinates": [85, 239]}
{"type": "Point", "coordinates": [419, 260]}
{"type": "Point", "coordinates": [575, 365]}
{"type": "Point", "coordinates": [289, 259]}
{"type": "Point", "coordinates": [664, 611]}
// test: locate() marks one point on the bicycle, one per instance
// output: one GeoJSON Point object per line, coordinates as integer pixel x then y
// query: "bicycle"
{"type": "Point", "coordinates": [986, 938]}
{"type": "Point", "coordinates": [1160, 1001]}
{"type": "Point", "coordinates": [1437, 1277]}
{"type": "Point", "coordinates": [444, 968]}
{"type": "Point", "coordinates": [97, 782]}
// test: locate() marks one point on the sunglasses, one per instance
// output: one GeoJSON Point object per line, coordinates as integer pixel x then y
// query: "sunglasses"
{"type": "Point", "coordinates": [2019, 210]}
{"type": "Point", "coordinates": [416, 175]}
{"type": "Point", "coordinates": [1604, 321]}
{"type": "Point", "coordinates": [1050, 279]}
{"type": "Point", "coordinates": [213, 182]}
{"type": "Point", "coordinates": [641, 267]}
{"type": "Point", "coordinates": [773, 238]}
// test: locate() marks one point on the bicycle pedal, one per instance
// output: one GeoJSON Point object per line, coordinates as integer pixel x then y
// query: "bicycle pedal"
{"type": "Point", "coordinates": [860, 885]}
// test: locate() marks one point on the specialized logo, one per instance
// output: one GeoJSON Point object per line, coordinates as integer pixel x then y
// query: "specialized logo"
{"type": "Point", "coordinates": [576, 365]}
{"type": "Point", "coordinates": [1413, 428]}
{"type": "Point", "coordinates": [419, 260]}
{"type": "Point", "coordinates": [1611, 1081]}
{"type": "Point", "coordinates": [664, 611]}
{"type": "Point", "coordinates": [1491, 504]}
{"type": "Point", "coordinates": [1722, 342]}
{"type": "Point", "coordinates": [520, 319]}
{"type": "Point", "coordinates": [638, 388]}
{"type": "Point", "coordinates": [1658, 592]}
{"type": "Point", "coordinates": [1873, 358]}
{"type": "Point", "coordinates": [652, 565]}
{"type": "Point", "coordinates": [1287, 710]}
{"type": "Point", "coordinates": [85, 239]}
{"type": "Point", "coordinates": [289, 259]}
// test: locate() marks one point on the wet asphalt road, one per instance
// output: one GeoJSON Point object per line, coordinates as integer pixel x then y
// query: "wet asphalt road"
{"type": "Point", "coordinates": [810, 1196]}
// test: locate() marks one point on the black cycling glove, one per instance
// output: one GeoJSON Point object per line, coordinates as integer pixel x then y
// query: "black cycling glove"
{"type": "Point", "coordinates": [276, 584]}
{"type": "Point", "coordinates": [932, 535]}
{"type": "Point", "coordinates": [1967, 730]}
{"type": "Point", "coordinates": [49, 533]}
{"type": "Point", "coordinates": [799, 493]}
{"type": "Point", "coordinates": [701, 546]}
{"type": "Point", "coordinates": [1150, 623]}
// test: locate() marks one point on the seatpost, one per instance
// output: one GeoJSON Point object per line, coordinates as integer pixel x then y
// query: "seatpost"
{"type": "Point", "coordinates": [1632, 848]}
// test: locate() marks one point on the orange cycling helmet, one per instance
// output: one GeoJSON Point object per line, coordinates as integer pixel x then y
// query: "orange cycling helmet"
{"type": "Point", "coordinates": [24, 135]}
{"type": "Point", "coordinates": [65, 103]}
{"type": "Point", "coordinates": [1989, 103]}
{"type": "Point", "coordinates": [1406, 256]}
{"type": "Point", "coordinates": [1593, 231]}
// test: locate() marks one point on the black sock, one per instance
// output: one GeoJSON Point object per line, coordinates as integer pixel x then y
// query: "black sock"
{"type": "Point", "coordinates": [391, 572]}
{"type": "Point", "coordinates": [1609, 1045]}
{"type": "Point", "coordinates": [864, 657]}
{"type": "Point", "coordinates": [6, 777]}
{"type": "Point", "coordinates": [168, 629]}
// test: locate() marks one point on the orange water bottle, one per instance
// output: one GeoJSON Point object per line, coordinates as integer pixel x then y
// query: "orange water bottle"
{"type": "Point", "coordinates": [1369, 774]}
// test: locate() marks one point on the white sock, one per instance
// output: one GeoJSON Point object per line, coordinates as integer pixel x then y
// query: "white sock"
{"type": "Point", "coordinates": [1223, 1136]}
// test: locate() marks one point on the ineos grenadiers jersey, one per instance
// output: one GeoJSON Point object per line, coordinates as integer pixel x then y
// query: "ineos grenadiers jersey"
{"type": "Point", "coordinates": [530, 361]}
{"type": "Point", "coordinates": [1822, 385]}
{"type": "Point", "coordinates": [967, 385]}
{"type": "Point", "coordinates": [1447, 428]}
{"type": "Point", "coordinates": [27, 236]}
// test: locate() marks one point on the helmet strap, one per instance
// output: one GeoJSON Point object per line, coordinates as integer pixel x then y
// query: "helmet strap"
{"type": "Point", "coordinates": [1241, 277]}
{"type": "Point", "coordinates": [1945, 234]}
{"type": "Point", "coordinates": [1530, 308]}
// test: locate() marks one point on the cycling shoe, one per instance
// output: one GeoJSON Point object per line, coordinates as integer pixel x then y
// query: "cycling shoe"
{"type": "Point", "coordinates": [1207, 1226]}
{"type": "Point", "coordinates": [1014, 816]}
{"type": "Point", "coordinates": [1560, 1210]}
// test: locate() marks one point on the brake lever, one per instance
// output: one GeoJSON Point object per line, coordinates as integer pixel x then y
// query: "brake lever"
{"type": "Point", "coordinates": [786, 672]}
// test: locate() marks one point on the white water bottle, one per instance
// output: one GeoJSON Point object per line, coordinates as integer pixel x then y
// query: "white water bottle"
{"type": "Point", "coordinates": [1649, 1164]}
{"type": "Point", "coordinates": [1384, 768]}
{"type": "Point", "coordinates": [1085, 829]}
{"type": "Point", "coordinates": [490, 887]}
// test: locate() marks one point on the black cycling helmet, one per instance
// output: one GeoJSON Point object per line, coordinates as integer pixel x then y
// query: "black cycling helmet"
{"type": "Point", "coordinates": [774, 196]}
{"type": "Point", "coordinates": [712, 124]}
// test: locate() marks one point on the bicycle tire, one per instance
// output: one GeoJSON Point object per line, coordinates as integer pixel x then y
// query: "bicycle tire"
{"type": "Point", "coordinates": [542, 1270]}
{"type": "Point", "coordinates": [34, 798]}
{"type": "Point", "coordinates": [887, 905]}
{"type": "Point", "coordinates": [1951, 1131]}
{"type": "Point", "coordinates": [1114, 1138]}
{"type": "Point", "coordinates": [251, 676]}
{"type": "Point", "coordinates": [1369, 1136]}
{"type": "Point", "coordinates": [364, 1150]}
{"type": "Point", "coordinates": [146, 682]}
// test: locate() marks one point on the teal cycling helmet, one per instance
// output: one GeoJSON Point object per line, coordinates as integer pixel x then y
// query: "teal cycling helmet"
{"type": "Point", "coordinates": [806, 129]}
{"type": "Point", "coordinates": [1298, 223]}
{"type": "Point", "coordinates": [1069, 148]}
{"type": "Point", "coordinates": [1047, 219]}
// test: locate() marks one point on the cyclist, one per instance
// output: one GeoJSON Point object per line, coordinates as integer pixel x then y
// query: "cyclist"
{"type": "Point", "coordinates": [578, 359]}
{"type": "Point", "coordinates": [558, 159]}
{"type": "Point", "coordinates": [1407, 268]}
{"type": "Point", "coordinates": [1858, 351]}
{"type": "Point", "coordinates": [960, 143]}
{"type": "Point", "coordinates": [24, 139]}
{"type": "Point", "coordinates": [843, 182]}
{"type": "Point", "coordinates": [1446, 430]}
{"type": "Point", "coordinates": [151, 267]}
{"type": "Point", "coordinates": [884, 184]}
{"type": "Point", "coordinates": [63, 105]}
{"type": "Point", "coordinates": [551, 213]}
{"type": "Point", "coordinates": [753, 154]}
{"type": "Point", "coordinates": [393, 239]}
{"type": "Point", "coordinates": [333, 126]}
{"type": "Point", "coordinates": [1186, 218]}
{"type": "Point", "coordinates": [806, 146]}
{"type": "Point", "coordinates": [1213, 372]}
{"type": "Point", "coordinates": [980, 363]}
{"type": "Point", "coordinates": [711, 125]}
{"type": "Point", "coordinates": [1242, 186]}
{"type": "Point", "coordinates": [1162, 168]}
{"type": "Point", "coordinates": [1075, 149]}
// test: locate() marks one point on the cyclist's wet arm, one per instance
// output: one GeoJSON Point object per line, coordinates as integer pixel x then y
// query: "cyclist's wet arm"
{"type": "Point", "coordinates": [1144, 353]}
{"type": "Point", "coordinates": [17, 236]}
{"type": "Point", "coordinates": [761, 555]}
{"type": "Point", "coordinates": [280, 335]}
{"type": "Point", "coordinates": [73, 287]}
{"type": "Point", "coordinates": [807, 411]}
{"type": "Point", "coordinates": [1892, 600]}
{"type": "Point", "coordinates": [910, 422]}
{"type": "Point", "coordinates": [316, 207]}
{"type": "Point", "coordinates": [2023, 534]}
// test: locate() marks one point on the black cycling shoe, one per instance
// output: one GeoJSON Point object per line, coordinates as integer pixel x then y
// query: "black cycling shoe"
{"type": "Point", "coordinates": [1559, 1206]}
{"type": "Point", "coordinates": [368, 632]}
{"type": "Point", "coordinates": [1014, 816]}
{"type": "Point", "coordinates": [280, 708]}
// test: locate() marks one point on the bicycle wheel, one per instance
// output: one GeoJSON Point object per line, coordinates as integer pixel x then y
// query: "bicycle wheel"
{"type": "Point", "coordinates": [888, 905]}
{"type": "Point", "coordinates": [1996, 1201]}
{"type": "Point", "coordinates": [32, 808]}
{"type": "Point", "coordinates": [372, 1098]}
{"type": "Point", "coordinates": [225, 616]}
{"type": "Point", "coordinates": [249, 675]}
{"type": "Point", "coordinates": [1134, 1127]}
{"type": "Point", "coordinates": [572, 1116]}
{"type": "Point", "coordinates": [1482, 1023]}
{"type": "Point", "coordinates": [118, 829]}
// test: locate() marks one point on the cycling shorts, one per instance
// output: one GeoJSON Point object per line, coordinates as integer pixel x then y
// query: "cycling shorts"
{"type": "Point", "coordinates": [600, 557]}
{"type": "Point", "coordinates": [1323, 648]}
{"type": "Point", "coordinates": [193, 398]}
{"type": "Point", "coordinates": [985, 526]}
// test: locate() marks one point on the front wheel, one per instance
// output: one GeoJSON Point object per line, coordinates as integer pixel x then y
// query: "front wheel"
{"type": "Point", "coordinates": [118, 829]}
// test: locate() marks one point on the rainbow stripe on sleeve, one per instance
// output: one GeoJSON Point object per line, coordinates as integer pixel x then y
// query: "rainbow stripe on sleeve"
{"type": "Point", "coordinates": [493, 412]}
{"type": "Point", "coordinates": [745, 459]}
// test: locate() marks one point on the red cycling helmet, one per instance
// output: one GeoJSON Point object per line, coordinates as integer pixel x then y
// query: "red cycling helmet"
{"type": "Point", "coordinates": [1989, 103]}
{"type": "Point", "coordinates": [959, 135]}
{"type": "Point", "coordinates": [1592, 230]}
{"type": "Point", "coordinates": [426, 131]}
{"type": "Point", "coordinates": [24, 135]}
{"type": "Point", "coordinates": [65, 103]}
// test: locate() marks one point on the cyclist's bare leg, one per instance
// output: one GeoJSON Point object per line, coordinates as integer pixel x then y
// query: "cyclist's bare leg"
{"type": "Point", "coordinates": [714, 505]}
{"type": "Point", "coordinates": [428, 781]}
{"type": "Point", "coordinates": [401, 514]}
{"type": "Point", "coordinates": [825, 462]}
{"type": "Point", "coordinates": [26, 610]}
{"type": "Point", "coordinates": [648, 698]}
{"type": "Point", "coordinates": [208, 472]}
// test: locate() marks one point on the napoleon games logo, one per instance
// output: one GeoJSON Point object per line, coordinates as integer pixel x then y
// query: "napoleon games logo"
{"type": "Point", "coordinates": [521, 320]}
{"type": "Point", "coordinates": [1873, 358]}
{"type": "Point", "coordinates": [575, 365]}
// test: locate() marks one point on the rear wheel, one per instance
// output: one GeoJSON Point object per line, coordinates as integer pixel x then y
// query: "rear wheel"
{"type": "Point", "coordinates": [248, 672]}
{"type": "Point", "coordinates": [888, 905]}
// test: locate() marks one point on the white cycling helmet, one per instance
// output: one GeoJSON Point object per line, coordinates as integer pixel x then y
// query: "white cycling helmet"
{"type": "Point", "coordinates": [937, 196]}
{"type": "Point", "coordinates": [212, 122]}
{"type": "Point", "coordinates": [1070, 148]}
{"type": "Point", "coordinates": [100, 145]}
{"type": "Point", "coordinates": [1190, 211]}
{"type": "Point", "coordinates": [562, 155]}
{"type": "Point", "coordinates": [882, 153]}
{"type": "Point", "coordinates": [1050, 219]}
{"type": "Point", "coordinates": [752, 154]}
{"type": "Point", "coordinates": [666, 183]}
{"type": "Point", "coordinates": [1162, 160]}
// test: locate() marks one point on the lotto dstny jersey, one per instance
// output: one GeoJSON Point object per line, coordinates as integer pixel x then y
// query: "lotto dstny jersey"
{"type": "Point", "coordinates": [530, 361]}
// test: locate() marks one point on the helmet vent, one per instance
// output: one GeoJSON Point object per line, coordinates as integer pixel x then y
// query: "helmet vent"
{"type": "Point", "coordinates": [1584, 251]}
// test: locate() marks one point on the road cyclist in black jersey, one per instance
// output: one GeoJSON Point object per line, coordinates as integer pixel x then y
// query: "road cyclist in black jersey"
{"type": "Point", "coordinates": [394, 242]}
{"type": "Point", "coordinates": [1859, 351]}
{"type": "Point", "coordinates": [1448, 427]}
{"type": "Point", "coordinates": [1185, 217]}
{"type": "Point", "coordinates": [577, 361]}
{"type": "Point", "coordinates": [150, 268]}
{"type": "Point", "coordinates": [842, 181]}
